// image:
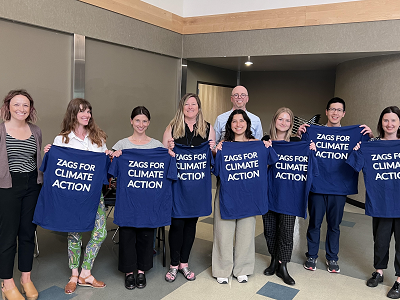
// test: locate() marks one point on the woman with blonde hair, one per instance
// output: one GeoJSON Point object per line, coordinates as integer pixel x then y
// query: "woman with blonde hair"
{"type": "Point", "coordinates": [20, 183]}
{"type": "Point", "coordinates": [80, 131]}
{"type": "Point", "coordinates": [279, 227]}
{"type": "Point", "coordinates": [189, 128]}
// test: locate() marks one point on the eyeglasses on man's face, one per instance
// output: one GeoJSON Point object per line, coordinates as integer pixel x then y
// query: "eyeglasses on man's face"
{"type": "Point", "coordinates": [237, 95]}
{"type": "Point", "coordinates": [339, 110]}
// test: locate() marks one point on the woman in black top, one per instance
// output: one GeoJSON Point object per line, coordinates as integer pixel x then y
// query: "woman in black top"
{"type": "Point", "coordinates": [187, 128]}
{"type": "Point", "coordinates": [278, 228]}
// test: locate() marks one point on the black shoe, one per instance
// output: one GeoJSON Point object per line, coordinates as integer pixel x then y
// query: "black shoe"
{"type": "Point", "coordinates": [141, 281]}
{"type": "Point", "coordinates": [394, 292]}
{"type": "Point", "coordinates": [130, 281]}
{"type": "Point", "coordinates": [272, 267]}
{"type": "Point", "coordinates": [375, 279]}
{"type": "Point", "coordinates": [282, 272]}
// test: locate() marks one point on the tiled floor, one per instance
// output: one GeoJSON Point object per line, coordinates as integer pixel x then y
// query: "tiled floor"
{"type": "Point", "coordinates": [51, 273]}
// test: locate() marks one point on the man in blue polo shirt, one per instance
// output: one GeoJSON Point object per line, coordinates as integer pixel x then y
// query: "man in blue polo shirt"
{"type": "Point", "coordinates": [239, 99]}
{"type": "Point", "coordinates": [328, 194]}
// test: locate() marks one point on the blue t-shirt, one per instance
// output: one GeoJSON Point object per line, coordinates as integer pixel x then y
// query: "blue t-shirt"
{"type": "Point", "coordinates": [333, 147]}
{"type": "Point", "coordinates": [192, 191]}
{"type": "Point", "coordinates": [242, 169]}
{"type": "Point", "coordinates": [290, 178]}
{"type": "Point", "coordinates": [71, 189]}
{"type": "Point", "coordinates": [144, 187]}
{"type": "Point", "coordinates": [380, 162]}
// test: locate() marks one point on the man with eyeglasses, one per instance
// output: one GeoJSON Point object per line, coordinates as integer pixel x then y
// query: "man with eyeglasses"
{"type": "Point", "coordinates": [330, 204]}
{"type": "Point", "coordinates": [239, 99]}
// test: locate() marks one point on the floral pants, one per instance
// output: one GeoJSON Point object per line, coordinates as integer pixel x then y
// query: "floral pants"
{"type": "Point", "coordinates": [99, 234]}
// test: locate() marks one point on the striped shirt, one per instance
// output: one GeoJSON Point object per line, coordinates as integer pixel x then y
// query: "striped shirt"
{"type": "Point", "coordinates": [21, 154]}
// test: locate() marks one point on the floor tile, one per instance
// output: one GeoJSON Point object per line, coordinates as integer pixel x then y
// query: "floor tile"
{"type": "Point", "coordinates": [277, 291]}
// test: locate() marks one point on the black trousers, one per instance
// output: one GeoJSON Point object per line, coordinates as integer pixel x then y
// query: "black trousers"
{"type": "Point", "coordinates": [278, 232]}
{"type": "Point", "coordinates": [17, 206]}
{"type": "Point", "coordinates": [135, 249]}
{"type": "Point", "coordinates": [333, 207]}
{"type": "Point", "coordinates": [382, 229]}
{"type": "Point", "coordinates": [182, 233]}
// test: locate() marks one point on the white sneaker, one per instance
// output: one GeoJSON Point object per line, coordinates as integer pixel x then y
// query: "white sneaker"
{"type": "Point", "coordinates": [242, 278]}
{"type": "Point", "coordinates": [222, 280]}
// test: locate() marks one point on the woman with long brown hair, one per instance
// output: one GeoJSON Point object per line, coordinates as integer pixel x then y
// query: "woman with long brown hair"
{"type": "Point", "coordinates": [79, 131]}
{"type": "Point", "coordinates": [20, 179]}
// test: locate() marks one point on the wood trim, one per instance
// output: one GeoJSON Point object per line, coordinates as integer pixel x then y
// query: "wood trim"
{"type": "Point", "coordinates": [336, 13]}
{"type": "Point", "coordinates": [142, 11]}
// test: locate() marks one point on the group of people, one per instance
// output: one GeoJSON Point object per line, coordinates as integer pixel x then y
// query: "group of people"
{"type": "Point", "coordinates": [233, 238]}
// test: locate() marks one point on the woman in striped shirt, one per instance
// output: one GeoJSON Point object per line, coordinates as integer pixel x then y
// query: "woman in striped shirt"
{"type": "Point", "coordinates": [20, 183]}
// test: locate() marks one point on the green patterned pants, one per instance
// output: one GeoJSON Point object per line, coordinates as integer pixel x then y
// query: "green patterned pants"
{"type": "Point", "coordinates": [99, 234]}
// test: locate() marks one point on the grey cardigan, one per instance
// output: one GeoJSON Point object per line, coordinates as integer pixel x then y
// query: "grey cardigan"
{"type": "Point", "coordinates": [5, 176]}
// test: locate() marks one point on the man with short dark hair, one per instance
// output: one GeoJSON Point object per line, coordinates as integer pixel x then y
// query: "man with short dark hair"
{"type": "Point", "coordinates": [328, 192]}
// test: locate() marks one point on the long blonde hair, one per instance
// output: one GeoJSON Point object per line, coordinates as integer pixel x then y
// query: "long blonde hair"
{"type": "Point", "coordinates": [272, 127]}
{"type": "Point", "coordinates": [178, 122]}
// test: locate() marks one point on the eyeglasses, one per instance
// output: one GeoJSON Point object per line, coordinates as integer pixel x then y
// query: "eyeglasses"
{"type": "Point", "coordinates": [339, 110]}
{"type": "Point", "coordinates": [236, 96]}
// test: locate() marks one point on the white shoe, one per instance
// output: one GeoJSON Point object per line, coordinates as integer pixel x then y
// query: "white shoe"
{"type": "Point", "coordinates": [222, 280]}
{"type": "Point", "coordinates": [242, 278]}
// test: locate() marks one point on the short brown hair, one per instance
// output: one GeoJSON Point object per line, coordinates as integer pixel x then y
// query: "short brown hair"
{"type": "Point", "coordinates": [5, 108]}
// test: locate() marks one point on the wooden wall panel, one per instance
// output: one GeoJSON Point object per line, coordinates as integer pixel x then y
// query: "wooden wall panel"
{"type": "Point", "coordinates": [336, 13]}
{"type": "Point", "coordinates": [142, 11]}
{"type": "Point", "coordinates": [215, 100]}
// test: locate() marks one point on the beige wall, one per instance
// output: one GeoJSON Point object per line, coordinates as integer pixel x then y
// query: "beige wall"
{"type": "Point", "coordinates": [338, 38]}
{"type": "Point", "coordinates": [304, 92]}
{"type": "Point", "coordinates": [39, 61]}
{"type": "Point", "coordinates": [368, 86]}
{"type": "Point", "coordinates": [73, 16]}
{"type": "Point", "coordinates": [119, 78]}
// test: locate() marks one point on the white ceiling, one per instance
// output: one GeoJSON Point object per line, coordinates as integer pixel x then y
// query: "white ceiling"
{"type": "Point", "coordinates": [193, 8]}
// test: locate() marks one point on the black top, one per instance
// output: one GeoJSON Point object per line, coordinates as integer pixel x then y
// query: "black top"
{"type": "Point", "coordinates": [189, 139]}
{"type": "Point", "coordinates": [292, 138]}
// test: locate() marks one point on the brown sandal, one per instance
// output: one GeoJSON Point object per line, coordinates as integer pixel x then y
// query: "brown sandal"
{"type": "Point", "coordinates": [29, 290]}
{"type": "Point", "coordinates": [96, 284]}
{"type": "Point", "coordinates": [71, 286]}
